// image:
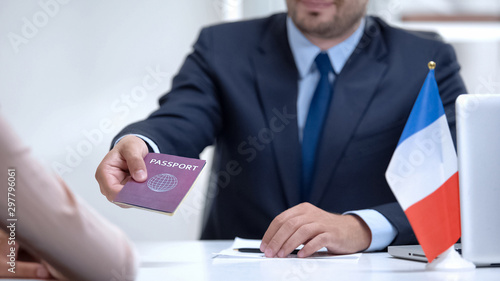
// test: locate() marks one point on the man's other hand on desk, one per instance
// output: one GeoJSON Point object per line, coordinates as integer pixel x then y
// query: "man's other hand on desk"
{"type": "Point", "coordinates": [125, 160]}
{"type": "Point", "coordinates": [306, 224]}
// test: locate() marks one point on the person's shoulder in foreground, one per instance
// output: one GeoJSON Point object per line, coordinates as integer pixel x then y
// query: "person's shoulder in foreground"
{"type": "Point", "coordinates": [68, 239]}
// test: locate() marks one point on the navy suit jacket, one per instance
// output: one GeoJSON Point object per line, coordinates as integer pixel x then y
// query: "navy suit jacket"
{"type": "Point", "coordinates": [238, 89]}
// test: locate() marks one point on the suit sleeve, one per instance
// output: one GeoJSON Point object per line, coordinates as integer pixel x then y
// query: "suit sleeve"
{"type": "Point", "coordinates": [189, 117]}
{"type": "Point", "coordinates": [450, 86]}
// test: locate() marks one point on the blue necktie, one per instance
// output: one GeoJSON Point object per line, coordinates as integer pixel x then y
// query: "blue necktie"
{"type": "Point", "coordinates": [314, 123]}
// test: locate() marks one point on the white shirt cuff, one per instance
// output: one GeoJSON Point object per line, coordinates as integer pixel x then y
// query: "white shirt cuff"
{"type": "Point", "coordinates": [383, 232]}
{"type": "Point", "coordinates": [151, 143]}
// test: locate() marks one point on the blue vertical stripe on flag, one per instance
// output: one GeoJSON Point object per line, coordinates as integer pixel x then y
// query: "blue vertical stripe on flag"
{"type": "Point", "coordinates": [427, 109]}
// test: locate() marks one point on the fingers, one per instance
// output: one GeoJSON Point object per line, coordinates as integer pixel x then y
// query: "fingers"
{"type": "Point", "coordinates": [110, 173]}
{"type": "Point", "coordinates": [284, 233]}
{"type": "Point", "coordinates": [124, 160]}
{"type": "Point", "coordinates": [311, 247]}
{"type": "Point", "coordinates": [20, 269]}
{"type": "Point", "coordinates": [30, 270]}
{"type": "Point", "coordinates": [271, 231]}
{"type": "Point", "coordinates": [302, 236]}
{"type": "Point", "coordinates": [113, 182]}
{"type": "Point", "coordinates": [274, 227]}
{"type": "Point", "coordinates": [282, 228]}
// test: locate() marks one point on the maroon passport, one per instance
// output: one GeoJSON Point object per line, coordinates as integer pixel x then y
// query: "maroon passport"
{"type": "Point", "coordinates": [169, 180]}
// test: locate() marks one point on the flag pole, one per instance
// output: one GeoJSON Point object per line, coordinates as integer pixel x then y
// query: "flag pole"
{"type": "Point", "coordinates": [450, 259]}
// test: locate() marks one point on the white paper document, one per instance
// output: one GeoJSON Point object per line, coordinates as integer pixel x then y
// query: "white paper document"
{"type": "Point", "coordinates": [252, 243]}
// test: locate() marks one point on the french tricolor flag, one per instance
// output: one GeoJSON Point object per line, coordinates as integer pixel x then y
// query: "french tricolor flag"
{"type": "Point", "coordinates": [423, 173]}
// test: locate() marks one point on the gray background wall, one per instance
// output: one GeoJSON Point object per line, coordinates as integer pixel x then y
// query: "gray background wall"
{"type": "Point", "coordinates": [72, 75]}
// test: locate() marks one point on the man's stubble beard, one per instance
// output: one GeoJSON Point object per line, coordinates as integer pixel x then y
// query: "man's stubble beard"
{"type": "Point", "coordinates": [334, 28]}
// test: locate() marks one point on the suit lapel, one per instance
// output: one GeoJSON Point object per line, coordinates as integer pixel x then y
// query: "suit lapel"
{"type": "Point", "coordinates": [353, 92]}
{"type": "Point", "coordinates": [276, 76]}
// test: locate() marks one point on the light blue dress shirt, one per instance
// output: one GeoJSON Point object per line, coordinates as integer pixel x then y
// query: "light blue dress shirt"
{"type": "Point", "coordinates": [304, 53]}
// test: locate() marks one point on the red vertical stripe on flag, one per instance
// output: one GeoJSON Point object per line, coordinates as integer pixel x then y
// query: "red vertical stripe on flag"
{"type": "Point", "coordinates": [436, 218]}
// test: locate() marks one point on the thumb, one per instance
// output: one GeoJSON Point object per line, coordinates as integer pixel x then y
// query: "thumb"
{"type": "Point", "coordinates": [134, 156]}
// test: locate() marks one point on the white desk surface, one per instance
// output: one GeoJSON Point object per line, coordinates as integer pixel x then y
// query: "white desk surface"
{"type": "Point", "coordinates": [192, 260]}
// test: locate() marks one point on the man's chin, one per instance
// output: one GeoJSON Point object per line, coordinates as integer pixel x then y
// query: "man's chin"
{"type": "Point", "coordinates": [315, 17]}
{"type": "Point", "coordinates": [312, 25]}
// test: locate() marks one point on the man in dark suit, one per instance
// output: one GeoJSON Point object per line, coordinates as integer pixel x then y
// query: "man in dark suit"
{"type": "Point", "coordinates": [305, 112]}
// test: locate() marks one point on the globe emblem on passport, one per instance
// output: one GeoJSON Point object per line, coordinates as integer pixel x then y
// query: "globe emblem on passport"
{"type": "Point", "coordinates": [162, 182]}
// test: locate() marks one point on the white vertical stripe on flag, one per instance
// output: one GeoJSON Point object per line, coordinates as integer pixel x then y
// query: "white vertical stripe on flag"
{"type": "Point", "coordinates": [428, 152]}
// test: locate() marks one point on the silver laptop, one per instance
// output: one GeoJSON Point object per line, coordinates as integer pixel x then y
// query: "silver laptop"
{"type": "Point", "coordinates": [478, 147]}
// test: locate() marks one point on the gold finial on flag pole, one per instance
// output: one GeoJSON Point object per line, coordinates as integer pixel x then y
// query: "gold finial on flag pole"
{"type": "Point", "coordinates": [431, 65]}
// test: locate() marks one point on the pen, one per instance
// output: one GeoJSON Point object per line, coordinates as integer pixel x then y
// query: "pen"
{"type": "Point", "coordinates": [257, 250]}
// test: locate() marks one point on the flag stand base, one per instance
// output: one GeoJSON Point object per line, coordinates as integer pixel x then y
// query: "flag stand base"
{"type": "Point", "coordinates": [450, 260]}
